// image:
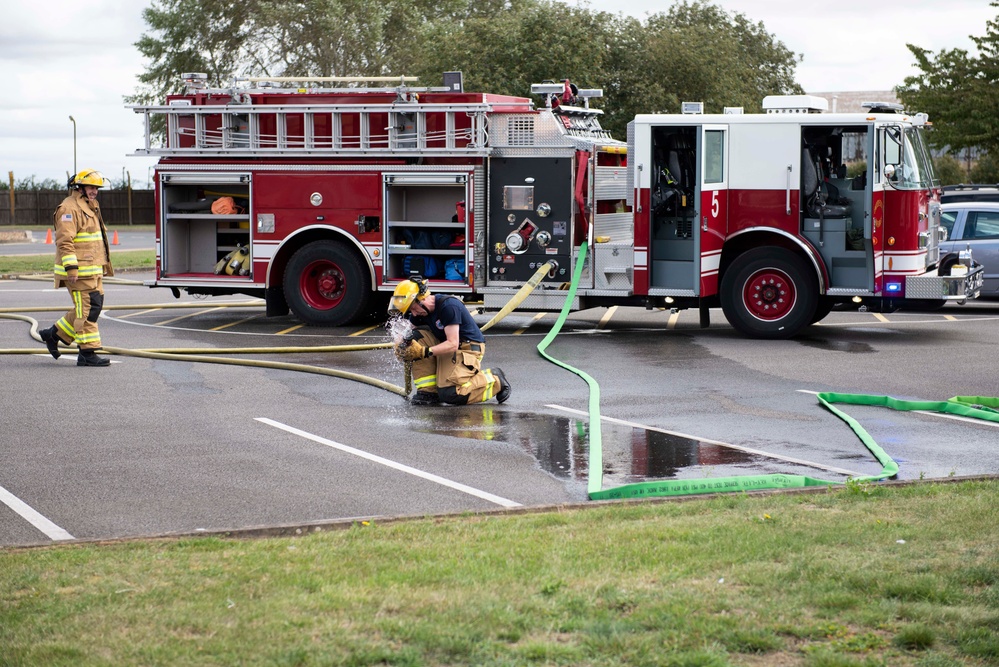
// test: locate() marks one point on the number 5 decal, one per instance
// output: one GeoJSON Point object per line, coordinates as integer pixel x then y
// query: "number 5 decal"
{"type": "Point", "coordinates": [714, 204]}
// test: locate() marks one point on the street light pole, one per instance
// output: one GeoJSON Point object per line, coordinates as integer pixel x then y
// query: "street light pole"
{"type": "Point", "coordinates": [74, 145]}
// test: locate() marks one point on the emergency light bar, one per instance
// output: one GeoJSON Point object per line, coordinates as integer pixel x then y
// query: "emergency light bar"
{"type": "Point", "coordinates": [795, 104]}
{"type": "Point", "coordinates": [882, 107]}
{"type": "Point", "coordinates": [194, 80]}
{"type": "Point", "coordinates": [547, 88]}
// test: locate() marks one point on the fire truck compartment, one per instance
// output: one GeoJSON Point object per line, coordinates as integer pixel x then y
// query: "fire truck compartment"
{"type": "Point", "coordinates": [849, 268]}
{"type": "Point", "coordinates": [194, 239]}
{"type": "Point", "coordinates": [426, 226]}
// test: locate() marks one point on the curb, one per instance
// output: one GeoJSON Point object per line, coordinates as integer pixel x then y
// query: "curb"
{"type": "Point", "coordinates": [302, 529]}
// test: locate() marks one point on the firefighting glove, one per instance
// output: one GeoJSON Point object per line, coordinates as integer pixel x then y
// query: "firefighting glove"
{"type": "Point", "coordinates": [413, 351]}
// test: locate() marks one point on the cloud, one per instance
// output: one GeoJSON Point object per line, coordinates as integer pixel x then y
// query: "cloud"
{"type": "Point", "coordinates": [64, 59]}
{"type": "Point", "coordinates": [61, 58]}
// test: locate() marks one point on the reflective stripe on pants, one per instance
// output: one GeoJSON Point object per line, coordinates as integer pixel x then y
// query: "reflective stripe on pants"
{"type": "Point", "coordinates": [79, 325]}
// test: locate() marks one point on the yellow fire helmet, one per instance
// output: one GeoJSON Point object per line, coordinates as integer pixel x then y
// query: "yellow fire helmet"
{"type": "Point", "coordinates": [406, 292]}
{"type": "Point", "coordinates": [88, 177]}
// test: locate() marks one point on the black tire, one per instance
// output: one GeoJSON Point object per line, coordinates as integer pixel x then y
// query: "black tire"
{"type": "Point", "coordinates": [326, 284]}
{"type": "Point", "coordinates": [769, 293]}
{"type": "Point", "coordinates": [822, 309]}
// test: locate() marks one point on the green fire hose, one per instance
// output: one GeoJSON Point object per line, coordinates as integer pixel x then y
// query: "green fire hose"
{"type": "Point", "coordinates": [980, 407]}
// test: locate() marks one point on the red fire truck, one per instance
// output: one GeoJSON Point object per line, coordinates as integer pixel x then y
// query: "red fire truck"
{"type": "Point", "coordinates": [326, 196]}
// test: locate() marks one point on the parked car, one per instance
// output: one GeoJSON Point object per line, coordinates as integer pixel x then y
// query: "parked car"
{"type": "Point", "coordinates": [975, 223]}
{"type": "Point", "coordinates": [974, 192]}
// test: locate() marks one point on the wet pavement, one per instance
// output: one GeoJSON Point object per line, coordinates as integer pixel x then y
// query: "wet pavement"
{"type": "Point", "coordinates": [177, 446]}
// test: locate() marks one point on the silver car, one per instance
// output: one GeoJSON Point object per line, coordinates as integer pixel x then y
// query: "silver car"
{"type": "Point", "coordinates": [973, 223]}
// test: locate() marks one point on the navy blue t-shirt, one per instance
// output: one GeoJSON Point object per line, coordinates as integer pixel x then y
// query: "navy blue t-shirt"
{"type": "Point", "coordinates": [450, 310]}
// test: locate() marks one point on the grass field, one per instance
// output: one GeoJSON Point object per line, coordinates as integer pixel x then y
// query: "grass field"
{"type": "Point", "coordinates": [44, 260]}
{"type": "Point", "coordinates": [861, 575]}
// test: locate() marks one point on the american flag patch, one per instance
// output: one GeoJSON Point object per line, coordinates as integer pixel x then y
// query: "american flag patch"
{"type": "Point", "coordinates": [66, 217]}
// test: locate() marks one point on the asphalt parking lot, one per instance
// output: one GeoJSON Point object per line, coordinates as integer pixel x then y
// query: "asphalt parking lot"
{"type": "Point", "coordinates": [155, 446]}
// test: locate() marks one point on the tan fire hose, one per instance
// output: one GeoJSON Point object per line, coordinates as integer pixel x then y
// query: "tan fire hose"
{"type": "Point", "coordinates": [199, 354]}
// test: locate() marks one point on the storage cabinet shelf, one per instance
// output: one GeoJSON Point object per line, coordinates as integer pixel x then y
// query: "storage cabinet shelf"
{"type": "Point", "coordinates": [234, 217]}
{"type": "Point", "coordinates": [456, 252]}
{"type": "Point", "coordinates": [426, 225]}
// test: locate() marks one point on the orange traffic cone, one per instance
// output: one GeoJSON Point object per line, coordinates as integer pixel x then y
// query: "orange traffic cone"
{"type": "Point", "coordinates": [114, 239]}
{"type": "Point", "coordinates": [48, 237]}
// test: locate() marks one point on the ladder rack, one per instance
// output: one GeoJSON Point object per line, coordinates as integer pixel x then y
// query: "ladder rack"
{"type": "Point", "coordinates": [319, 130]}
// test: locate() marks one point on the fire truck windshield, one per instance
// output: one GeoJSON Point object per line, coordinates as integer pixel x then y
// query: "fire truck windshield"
{"type": "Point", "coordinates": [907, 151]}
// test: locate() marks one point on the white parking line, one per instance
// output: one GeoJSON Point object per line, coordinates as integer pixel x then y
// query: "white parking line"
{"type": "Point", "coordinates": [748, 450]}
{"type": "Point", "coordinates": [52, 531]}
{"type": "Point", "coordinates": [502, 502]}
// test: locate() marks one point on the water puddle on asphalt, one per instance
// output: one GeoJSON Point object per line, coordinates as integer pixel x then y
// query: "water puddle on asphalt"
{"type": "Point", "coordinates": [835, 345]}
{"type": "Point", "coordinates": [630, 454]}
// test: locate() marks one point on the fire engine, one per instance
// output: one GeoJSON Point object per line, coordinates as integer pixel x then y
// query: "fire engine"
{"type": "Point", "coordinates": [334, 190]}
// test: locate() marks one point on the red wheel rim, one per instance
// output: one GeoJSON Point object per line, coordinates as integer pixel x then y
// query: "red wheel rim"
{"type": "Point", "coordinates": [322, 285]}
{"type": "Point", "coordinates": [769, 295]}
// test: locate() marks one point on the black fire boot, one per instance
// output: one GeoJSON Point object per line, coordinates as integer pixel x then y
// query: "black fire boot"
{"type": "Point", "coordinates": [424, 398]}
{"type": "Point", "coordinates": [90, 358]}
{"type": "Point", "coordinates": [51, 341]}
{"type": "Point", "coordinates": [504, 392]}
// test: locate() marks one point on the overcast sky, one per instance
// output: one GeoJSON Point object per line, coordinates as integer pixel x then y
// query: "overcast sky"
{"type": "Point", "coordinates": [63, 58]}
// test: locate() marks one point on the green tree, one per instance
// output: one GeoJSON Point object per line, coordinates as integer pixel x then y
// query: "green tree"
{"type": "Point", "coordinates": [949, 170]}
{"type": "Point", "coordinates": [957, 90]}
{"type": "Point", "coordinates": [986, 170]}
{"type": "Point", "coordinates": [211, 36]}
{"type": "Point", "coordinates": [701, 53]}
{"type": "Point", "coordinates": [29, 183]}
{"type": "Point", "coordinates": [504, 50]}
{"type": "Point", "coordinates": [696, 51]}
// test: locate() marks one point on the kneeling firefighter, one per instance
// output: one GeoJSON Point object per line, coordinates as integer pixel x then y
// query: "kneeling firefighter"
{"type": "Point", "coordinates": [446, 348]}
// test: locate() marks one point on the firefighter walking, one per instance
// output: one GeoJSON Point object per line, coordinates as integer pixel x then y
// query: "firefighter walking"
{"type": "Point", "coordinates": [446, 349]}
{"type": "Point", "coordinates": [83, 258]}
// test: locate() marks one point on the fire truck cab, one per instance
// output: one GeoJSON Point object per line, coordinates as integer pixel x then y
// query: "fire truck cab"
{"type": "Point", "coordinates": [756, 212]}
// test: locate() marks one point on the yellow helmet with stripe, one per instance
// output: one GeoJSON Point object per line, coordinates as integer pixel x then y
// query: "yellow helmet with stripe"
{"type": "Point", "coordinates": [88, 177]}
{"type": "Point", "coordinates": [406, 292]}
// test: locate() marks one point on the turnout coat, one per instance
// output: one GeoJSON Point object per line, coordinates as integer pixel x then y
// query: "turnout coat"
{"type": "Point", "coordinates": [81, 240]}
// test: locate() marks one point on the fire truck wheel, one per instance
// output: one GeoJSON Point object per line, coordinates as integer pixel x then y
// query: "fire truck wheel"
{"type": "Point", "coordinates": [326, 284]}
{"type": "Point", "coordinates": [769, 293]}
{"type": "Point", "coordinates": [823, 309]}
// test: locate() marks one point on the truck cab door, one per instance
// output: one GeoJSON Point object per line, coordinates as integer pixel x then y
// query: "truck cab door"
{"type": "Point", "coordinates": [688, 208]}
{"type": "Point", "coordinates": [713, 196]}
